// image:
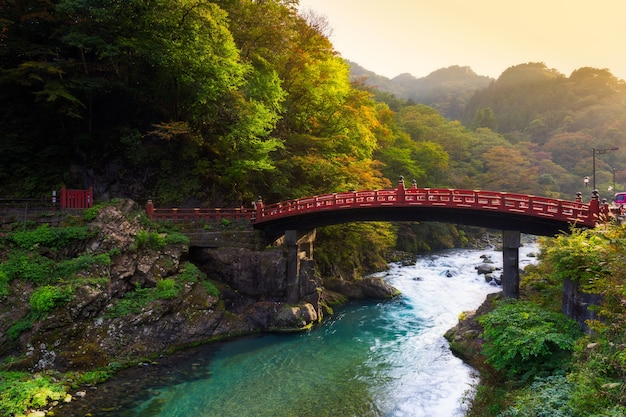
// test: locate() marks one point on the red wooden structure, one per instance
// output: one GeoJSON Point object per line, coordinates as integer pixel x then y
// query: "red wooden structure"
{"type": "Point", "coordinates": [76, 199]}
{"type": "Point", "coordinates": [517, 204]}
{"type": "Point", "coordinates": [573, 212]}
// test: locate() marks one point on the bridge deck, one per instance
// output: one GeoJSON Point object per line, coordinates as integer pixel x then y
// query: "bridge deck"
{"type": "Point", "coordinates": [521, 204]}
{"type": "Point", "coordinates": [512, 211]}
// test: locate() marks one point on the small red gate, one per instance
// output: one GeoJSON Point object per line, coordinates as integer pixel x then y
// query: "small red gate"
{"type": "Point", "coordinates": [76, 199]}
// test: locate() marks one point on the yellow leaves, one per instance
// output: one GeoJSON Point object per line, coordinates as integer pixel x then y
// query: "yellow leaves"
{"type": "Point", "coordinates": [339, 173]}
{"type": "Point", "coordinates": [179, 130]}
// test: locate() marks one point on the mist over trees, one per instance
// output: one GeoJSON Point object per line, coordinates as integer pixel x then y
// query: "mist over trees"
{"type": "Point", "coordinates": [539, 123]}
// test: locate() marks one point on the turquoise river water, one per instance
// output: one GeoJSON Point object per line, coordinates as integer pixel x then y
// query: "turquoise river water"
{"type": "Point", "coordinates": [370, 359]}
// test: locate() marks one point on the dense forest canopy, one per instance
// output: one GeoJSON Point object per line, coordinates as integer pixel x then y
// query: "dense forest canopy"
{"type": "Point", "coordinates": [214, 103]}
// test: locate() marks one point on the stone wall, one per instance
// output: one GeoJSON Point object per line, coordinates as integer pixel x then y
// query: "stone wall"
{"type": "Point", "coordinates": [246, 239]}
{"type": "Point", "coordinates": [576, 303]}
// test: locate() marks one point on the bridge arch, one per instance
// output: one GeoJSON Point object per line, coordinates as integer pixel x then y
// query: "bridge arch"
{"type": "Point", "coordinates": [490, 209]}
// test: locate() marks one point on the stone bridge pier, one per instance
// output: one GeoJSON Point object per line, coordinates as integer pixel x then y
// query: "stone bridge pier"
{"type": "Point", "coordinates": [510, 263]}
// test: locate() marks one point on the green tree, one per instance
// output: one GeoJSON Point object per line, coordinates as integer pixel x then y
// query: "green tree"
{"type": "Point", "coordinates": [485, 118]}
{"type": "Point", "coordinates": [594, 259]}
{"type": "Point", "coordinates": [367, 243]}
{"type": "Point", "coordinates": [136, 84]}
{"type": "Point", "coordinates": [566, 149]}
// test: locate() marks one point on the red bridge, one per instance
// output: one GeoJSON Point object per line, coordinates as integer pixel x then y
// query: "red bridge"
{"type": "Point", "coordinates": [512, 213]}
{"type": "Point", "coordinates": [496, 210]}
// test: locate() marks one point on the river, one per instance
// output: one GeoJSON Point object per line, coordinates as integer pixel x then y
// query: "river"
{"type": "Point", "coordinates": [370, 359]}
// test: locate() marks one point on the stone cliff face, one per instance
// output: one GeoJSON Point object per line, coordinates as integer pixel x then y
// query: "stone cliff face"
{"type": "Point", "coordinates": [114, 315]}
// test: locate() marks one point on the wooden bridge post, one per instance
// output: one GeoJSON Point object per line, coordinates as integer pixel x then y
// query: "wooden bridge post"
{"type": "Point", "coordinates": [510, 263]}
{"type": "Point", "coordinates": [401, 191]}
{"type": "Point", "coordinates": [258, 208]}
{"type": "Point", "coordinates": [299, 245]}
{"type": "Point", "coordinates": [594, 205]}
{"type": "Point", "coordinates": [63, 198]}
{"type": "Point", "coordinates": [150, 209]}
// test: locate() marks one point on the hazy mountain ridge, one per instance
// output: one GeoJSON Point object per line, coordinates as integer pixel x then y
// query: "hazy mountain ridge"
{"type": "Point", "coordinates": [447, 89]}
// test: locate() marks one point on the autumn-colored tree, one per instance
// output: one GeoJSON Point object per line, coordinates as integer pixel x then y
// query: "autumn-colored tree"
{"type": "Point", "coordinates": [508, 170]}
{"type": "Point", "coordinates": [566, 149]}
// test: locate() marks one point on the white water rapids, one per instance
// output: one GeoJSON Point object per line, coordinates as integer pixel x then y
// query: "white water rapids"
{"type": "Point", "coordinates": [437, 289]}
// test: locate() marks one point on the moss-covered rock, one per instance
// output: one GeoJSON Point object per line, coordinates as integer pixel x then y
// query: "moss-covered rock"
{"type": "Point", "coordinates": [465, 338]}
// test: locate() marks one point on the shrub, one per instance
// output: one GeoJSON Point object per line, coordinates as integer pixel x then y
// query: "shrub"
{"type": "Point", "coordinates": [92, 212]}
{"type": "Point", "coordinates": [152, 240]}
{"type": "Point", "coordinates": [210, 288]}
{"type": "Point", "coordinates": [141, 239]}
{"type": "Point", "coordinates": [69, 267]}
{"type": "Point", "coordinates": [174, 238]}
{"type": "Point", "coordinates": [103, 259]}
{"type": "Point", "coordinates": [19, 327]}
{"type": "Point", "coordinates": [190, 273]}
{"type": "Point", "coordinates": [167, 289]}
{"type": "Point", "coordinates": [21, 391]}
{"type": "Point", "coordinates": [132, 302]}
{"type": "Point", "coordinates": [599, 378]}
{"type": "Point", "coordinates": [93, 377]}
{"type": "Point", "coordinates": [48, 236]}
{"type": "Point", "coordinates": [48, 297]}
{"type": "Point", "coordinates": [29, 267]}
{"type": "Point", "coordinates": [4, 284]}
{"type": "Point", "coordinates": [525, 340]}
{"type": "Point", "coordinates": [546, 397]}
{"type": "Point", "coordinates": [580, 257]}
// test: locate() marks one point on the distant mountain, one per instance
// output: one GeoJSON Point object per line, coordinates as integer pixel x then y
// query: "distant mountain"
{"type": "Point", "coordinates": [447, 89]}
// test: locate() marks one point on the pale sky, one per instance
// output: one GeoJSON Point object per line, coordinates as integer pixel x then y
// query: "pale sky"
{"type": "Point", "coordinates": [391, 37]}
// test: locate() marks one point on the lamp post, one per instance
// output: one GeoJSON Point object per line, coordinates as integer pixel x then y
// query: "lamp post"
{"type": "Point", "coordinates": [599, 152]}
{"type": "Point", "coordinates": [614, 171]}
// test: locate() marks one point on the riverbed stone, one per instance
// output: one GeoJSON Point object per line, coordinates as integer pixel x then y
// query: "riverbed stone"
{"type": "Point", "coordinates": [485, 268]}
{"type": "Point", "coordinates": [366, 288]}
{"type": "Point", "coordinates": [291, 317]}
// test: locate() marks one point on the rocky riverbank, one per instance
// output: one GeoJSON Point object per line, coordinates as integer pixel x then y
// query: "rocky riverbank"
{"type": "Point", "coordinates": [137, 292]}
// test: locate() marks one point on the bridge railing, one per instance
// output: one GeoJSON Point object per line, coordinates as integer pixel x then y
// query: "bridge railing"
{"type": "Point", "coordinates": [571, 211]}
{"type": "Point", "coordinates": [64, 199]}
{"type": "Point", "coordinates": [199, 214]}
{"type": "Point", "coordinates": [543, 207]}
